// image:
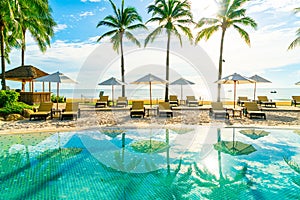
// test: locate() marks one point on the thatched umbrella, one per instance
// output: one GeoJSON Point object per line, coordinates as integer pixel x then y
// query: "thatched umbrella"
{"type": "Point", "coordinates": [24, 74]}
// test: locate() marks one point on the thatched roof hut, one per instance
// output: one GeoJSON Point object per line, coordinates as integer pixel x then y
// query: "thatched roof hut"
{"type": "Point", "coordinates": [24, 73]}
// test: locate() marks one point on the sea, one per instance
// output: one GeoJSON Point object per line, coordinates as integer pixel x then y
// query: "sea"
{"type": "Point", "coordinates": [275, 94]}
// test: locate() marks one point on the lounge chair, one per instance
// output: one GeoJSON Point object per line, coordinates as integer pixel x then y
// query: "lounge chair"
{"type": "Point", "coordinates": [191, 101]}
{"type": "Point", "coordinates": [217, 110]}
{"type": "Point", "coordinates": [137, 109]}
{"type": "Point", "coordinates": [44, 111]}
{"type": "Point", "coordinates": [122, 101]}
{"type": "Point", "coordinates": [295, 101]}
{"type": "Point", "coordinates": [265, 101]}
{"type": "Point", "coordinates": [102, 102]}
{"type": "Point", "coordinates": [165, 108]}
{"type": "Point", "coordinates": [173, 100]}
{"type": "Point", "coordinates": [242, 100]}
{"type": "Point", "coordinates": [253, 110]}
{"type": "Point", "coordinates": [71, 111]}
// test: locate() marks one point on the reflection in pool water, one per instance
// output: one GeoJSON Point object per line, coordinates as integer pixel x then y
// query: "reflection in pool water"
{"type": "Point", "coordinates": [203, 162]}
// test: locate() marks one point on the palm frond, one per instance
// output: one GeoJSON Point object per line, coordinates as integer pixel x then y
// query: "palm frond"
{"type": "Point", "coordinates": [236, 4]}
{"type": "Point", "coordinates": [151, 37]}
{"type": "Point", "coordinates": [131, 37]}
{"type": "Point", "coordinates": [207, 21]}
{"type": "Point", "coordinates": [116, 41]}
{"type": "Point", "coordinates": [243, 34]}
{"type": "Point", "coordinates": [247, 21]}
{"type": "Point", "coordinates": [109, 33]}
{"type": "Point", "coordinates": [206, 33]}
{"type": "Point", "coordinates": [237, 14]}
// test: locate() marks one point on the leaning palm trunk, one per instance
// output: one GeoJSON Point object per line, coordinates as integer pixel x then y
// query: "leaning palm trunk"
{"type": "Point", "coordinates": [23, 48]}
{"type": "Point", "coordinates": [168, 68]}
{"type": "Point", "coordinates": [122, 64]}
{"type": "Point", "coordinates": [220, 65]}
{"type": "Point", "coordinates": [3, 83]}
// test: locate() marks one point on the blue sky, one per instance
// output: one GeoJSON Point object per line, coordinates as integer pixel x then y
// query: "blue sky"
{"type": "Point", "coordinates": [76, 34]}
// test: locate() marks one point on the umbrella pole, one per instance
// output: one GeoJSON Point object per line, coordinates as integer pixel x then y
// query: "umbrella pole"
{"type": "Point", "coordinates": [181, 92]}
{"type": "Point", "coordinates": [234, 96]}
{"type": "Point", "coordinates": [112, 94]}
{"type": "Point", "coordinates": [254, 91]}
{"type": "Point", "coordinates": [57, 95]}
{"type": "Point", "coordinates": [150, 95]}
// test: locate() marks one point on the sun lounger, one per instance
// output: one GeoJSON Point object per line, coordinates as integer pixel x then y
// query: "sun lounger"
{"type": "Point", "coordinates": [191, 101]}
{"type": "Point", "coordinates": [71, 111]}
{"type": "Point", "coordinates": [137, 109]}
{"type": "Point", "coordinates": [165, 108]}
{"type": "Point", "coordinates": [173, 100]}
{"type": "Point", "coordinates": [241, 101]}
{"type": "Point", "coordinates": [102, 102]}
{"type": "Point", "coordinates": [217, 110]}
{"type": "Point", "coordinates": [265, 101]}
{"type": "Point", "coordinates": [122, 101]}
{"type": "Point", "coordinates": [44, 111]}
{"type": "Point", "coordinates": [252, 110]}
{"type": "Point", "coordinates": [295, 101]}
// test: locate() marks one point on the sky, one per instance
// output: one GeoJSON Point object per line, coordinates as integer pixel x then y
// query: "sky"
{"type": "Point", "coordinates": [75, 51]}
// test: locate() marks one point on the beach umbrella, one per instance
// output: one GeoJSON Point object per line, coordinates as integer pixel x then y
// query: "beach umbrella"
{"type": "Point", "coordinates": [235, 79]}
{"type": "Point", "coordinates": [254, 133]}
{"type": "Point", "coordinates": [58, 78]}
{"type": "Point", "coordinates": [234, 148]}
{"type": "Point", "coordinates": [182, 82]}
{"type": "Point", "coordinates": [258, 79]}
{"type": "Point", "coordinates": [112, 81]}
{"type": "Point", "coordinates": [150, 79]}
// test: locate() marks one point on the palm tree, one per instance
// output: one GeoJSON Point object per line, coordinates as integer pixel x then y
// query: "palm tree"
{"type": "Point", "coordinates": [230, 14]}
{"type": "Point", "coordinates": [7, 24]}
{"type": "Point", "coordinates": [296, 42]}
{"type": "Point", "coordinates": [172, 15]}
{"type": "Point", "coordinates": [122, 22]}
{"type": "Point", "coordinates": [35, 16]}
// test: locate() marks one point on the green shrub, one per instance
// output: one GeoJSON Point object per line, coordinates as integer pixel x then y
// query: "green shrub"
{"type": "Point", "coordinates": [61, 99]}
{"type": "Point", "coordinates": [14, 108]}
{"type": "Point", "coordinates": [8, 97]}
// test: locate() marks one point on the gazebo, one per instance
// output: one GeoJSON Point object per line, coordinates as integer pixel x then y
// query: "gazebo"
{"type": "Point", "coordinates": [25, 74]}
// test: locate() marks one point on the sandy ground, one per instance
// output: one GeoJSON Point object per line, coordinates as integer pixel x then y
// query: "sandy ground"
{"type": "Point", "coordinates": [97, 119]}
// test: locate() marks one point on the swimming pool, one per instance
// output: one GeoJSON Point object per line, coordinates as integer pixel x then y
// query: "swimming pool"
{"type": "Point", "coordinates": [182, 163]}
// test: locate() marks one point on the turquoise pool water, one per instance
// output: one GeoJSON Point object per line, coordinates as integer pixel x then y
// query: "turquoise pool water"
{"type": "Point", "coordinates": [192, 163]}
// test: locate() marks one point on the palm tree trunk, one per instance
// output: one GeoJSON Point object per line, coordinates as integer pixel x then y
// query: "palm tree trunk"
{"type": "Point", "coordinates": [3, 83]}
{"type": "Point", "coordinates": [220, 65]}
{"type": "Point", "coordinates": [168, 68]}
{"type": "Point", "coordinates": [23, 47]}
{"type": "Point", "coordinates": [122, 64]}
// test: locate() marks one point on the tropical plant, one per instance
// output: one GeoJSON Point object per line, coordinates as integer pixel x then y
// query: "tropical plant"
{"type": "Point", "coordinates": [296, 42]}
{"type": "Point", "coordinates": [230, 14]}
{"type": "Point", "coordinates": [7, 26]}
{"type": "Point", "coordinates": [35, 16]}
{"type": "Point", "coordinates": [173, 16]}
{"type": "Point", "coordinates": [121, 23]}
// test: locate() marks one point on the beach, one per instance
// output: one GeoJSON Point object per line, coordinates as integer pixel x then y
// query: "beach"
{"type": "Point", "coordinates": [282, 116]}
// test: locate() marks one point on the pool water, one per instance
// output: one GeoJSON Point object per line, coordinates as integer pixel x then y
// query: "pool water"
{"type": "Point", "coordinates": [192, 163]}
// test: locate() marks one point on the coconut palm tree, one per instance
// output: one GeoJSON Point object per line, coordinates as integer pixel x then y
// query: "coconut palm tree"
{"type": "Point", "coordinates": [296, 42]}
{"type": "Point", "coordinates": [173, 16]}
{"type": "Point", "coordinates": [121, 23]}
{"type": "Point", "coordinates": [230, 14]}
{"type": "Point", "coordinates": [8, 27]}
{"type": "Point", "coordinates": [35, 16]}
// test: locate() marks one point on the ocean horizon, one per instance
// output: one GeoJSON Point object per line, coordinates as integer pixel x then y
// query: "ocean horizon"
{"type": "Point", "coordinates": [275, 94]}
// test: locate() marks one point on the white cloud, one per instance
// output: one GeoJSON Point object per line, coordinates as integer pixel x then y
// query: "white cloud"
{"type": "Point", "coordinates": [102, 9]}
{"type": "Point", "coordinates": [88, 13]}
{"type": "Point", "coordinates": [60, 27]}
